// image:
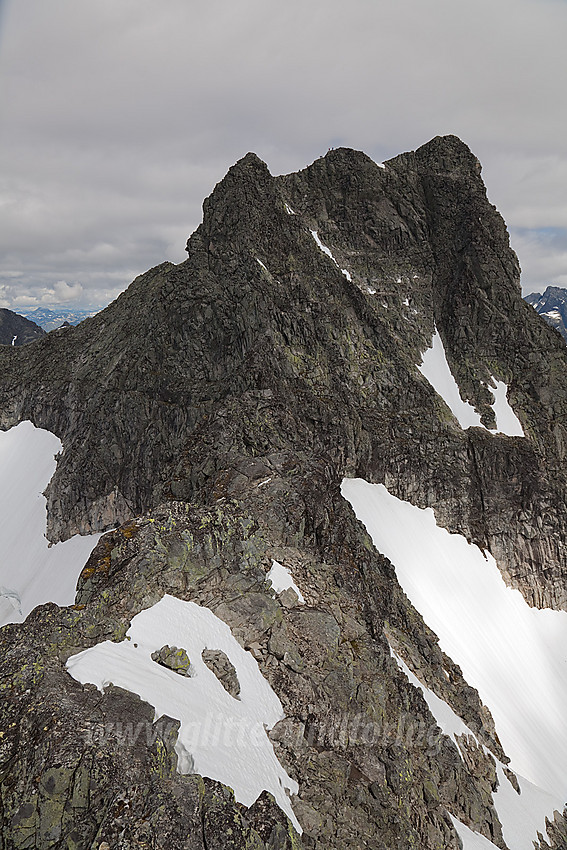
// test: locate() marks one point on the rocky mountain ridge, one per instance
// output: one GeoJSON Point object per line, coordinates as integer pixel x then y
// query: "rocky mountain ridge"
{"type": "Point", "coordinates": [210, 413]}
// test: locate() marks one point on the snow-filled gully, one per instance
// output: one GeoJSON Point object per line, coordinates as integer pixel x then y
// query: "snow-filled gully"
{"type": "Point", "coordinates": [514, 655]}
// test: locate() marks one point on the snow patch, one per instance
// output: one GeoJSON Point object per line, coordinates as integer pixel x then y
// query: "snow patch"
{"type": "Point", "coordinates": [281, 579]}
{"type": "Point", "coordinates": [219, 737]}
{"type": "Point", "coordinates": [435, 369]}
{"type": "Point", "coordinates": [288, 209]}
{"type": "Point", "coordinates": [449, 722]}
{"type": "Point", "coordinates": [328, 253]}
{"type": "Point", "coordinates": [521, 815]}
{"type": "Point", "coordinates": [473, 840]}
{"type": "Point", "coordinates": [32, 572]}
{"type": "Point", "coordinates": [262, 264]}
{"type": "Point", "coordinates": [322, 247]}
{"type": "Point", "coordinates": [9, 599]}
{"type": "Point", "coordinates": [506, 420]}
{"type": "Point", "coordinates": [514, 655]}
{"type": "Point", "coordinates": [14, 339]}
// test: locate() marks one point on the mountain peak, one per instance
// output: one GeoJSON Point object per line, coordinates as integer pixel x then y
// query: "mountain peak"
{"type": "Point", "coordinates": [251, 160]}
{"type": "Point", "coordinates": [448, 153]}
{"type": "Point", "coordinates": [552, 306]}
{"type": "Point", "coordinates": [209, 418]}
{"type": "Point", "coordinates": [249, 168]}
{"type": "Point", "coordinates": [238, 202]}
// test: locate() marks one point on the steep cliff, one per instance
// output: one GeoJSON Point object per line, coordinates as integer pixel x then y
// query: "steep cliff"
{"type": "Point", "coordinates": [209, 416]}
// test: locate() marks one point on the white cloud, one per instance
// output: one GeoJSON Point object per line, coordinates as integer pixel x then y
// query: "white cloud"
{"type": "Point", "coordinates": [544, 257]}
{"type": "Point", "coordinates": [118, 119]}
{"type": "Point", "coordinates": [65, 292]}
{"type": "Point", "coordinates": [21, 295]}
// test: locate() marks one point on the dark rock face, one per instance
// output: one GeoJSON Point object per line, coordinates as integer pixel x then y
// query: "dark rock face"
{"type": "Point", "coordinates": [551, 306]}
{"type": "Point", "coordinates": [220, 402]}
{"type": "Point", "coordinates": [16, 330]}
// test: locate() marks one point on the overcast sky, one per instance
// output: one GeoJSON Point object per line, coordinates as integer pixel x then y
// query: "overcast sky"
{"type": "Point", "coordinates": [119, 116]}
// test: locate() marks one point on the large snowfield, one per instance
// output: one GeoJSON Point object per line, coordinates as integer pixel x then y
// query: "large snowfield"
{"type": "Point", "coordinates": [220, 736]}
{"type": "Point", "coordinates": [31, 571]}
{"type": "Point", "coordinates": [514, 655]}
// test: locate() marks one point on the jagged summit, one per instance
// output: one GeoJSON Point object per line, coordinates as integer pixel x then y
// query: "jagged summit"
{"type": "Point", "coordinates": [259, 307]}
{"type": "Point", "coordinates": [248, 189]}
{"type": "Point", "coordinates": [448, 153]}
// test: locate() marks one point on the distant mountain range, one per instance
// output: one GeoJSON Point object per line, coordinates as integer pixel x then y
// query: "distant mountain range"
{"type": "Point", "coordinates": [50, 319]}
{"type": "Point", "coordinates": [552, 306]}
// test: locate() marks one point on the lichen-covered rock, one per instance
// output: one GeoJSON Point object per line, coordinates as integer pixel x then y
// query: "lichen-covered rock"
{"type": "Point", "coordinates": [173, 658]}
{"type": "Point", "coordinates": [370, 761]}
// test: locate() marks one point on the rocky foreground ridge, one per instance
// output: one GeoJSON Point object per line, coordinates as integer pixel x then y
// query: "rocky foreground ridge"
{"type": "Point", "coordinates": [259, 361]}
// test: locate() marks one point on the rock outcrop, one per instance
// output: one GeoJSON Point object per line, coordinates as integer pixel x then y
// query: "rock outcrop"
{"type": "Point", "coordinates": [173, 658]}
{"type": "Point", "coordinates": [208, 417]}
